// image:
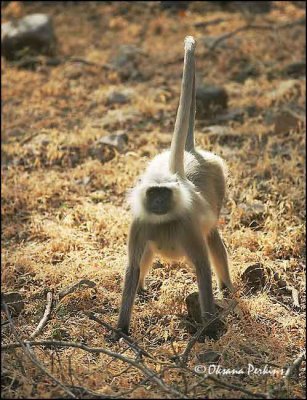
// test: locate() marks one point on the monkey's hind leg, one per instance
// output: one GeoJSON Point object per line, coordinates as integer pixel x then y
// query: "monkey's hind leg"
{"type": "Point", "coordinates": [218, 255]}
{"type": "Point", "coordinates": [144, 268]}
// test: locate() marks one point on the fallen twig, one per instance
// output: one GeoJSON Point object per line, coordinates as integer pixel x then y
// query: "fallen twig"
{"type": "Point", "coordinates": [146, 371]}
{"type": "Point", "coordinates": [29, 354]}
{"type": "Point", "coordinates": [29, 138]}
{"type": "Point", "coordinates": [294, 367]}
{"type": "Point", "coordinates": [300, 21]}
{"type": "Point", "coordinates": [236, 387]}
{"type": "Point", "coordinates": [84, 391]}
{"type": "Point", "coordinates": [204, 24]}
{"type": "Point", "coordinates": [42, 368]}
{"type": "Point", "coordinates": [70, 289]}
{"type": "Point", "coordinates": [295, 296]}
{"type": "Point", "coordinates": [46, 315]}
{"type": "Point", "coordinates": [133, 345]}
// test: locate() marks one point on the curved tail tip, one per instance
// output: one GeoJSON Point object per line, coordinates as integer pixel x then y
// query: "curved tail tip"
{"type": "Point", "coordinates": [189, 43]}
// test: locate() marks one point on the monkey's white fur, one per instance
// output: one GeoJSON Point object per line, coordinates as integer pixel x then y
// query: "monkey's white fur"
{"type": "Point", "coordinates": [187, 197]}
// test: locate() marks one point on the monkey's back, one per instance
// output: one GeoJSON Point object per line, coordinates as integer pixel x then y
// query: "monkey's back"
{"type": "Point", "coordinates": [208, 173]}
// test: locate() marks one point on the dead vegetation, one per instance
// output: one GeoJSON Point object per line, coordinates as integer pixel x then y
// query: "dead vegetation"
{"type": "Point", "coordinates": [65, 219]}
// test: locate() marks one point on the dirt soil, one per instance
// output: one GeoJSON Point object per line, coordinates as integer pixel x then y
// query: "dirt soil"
{"type": "Point", "coordinates": [65, 216]}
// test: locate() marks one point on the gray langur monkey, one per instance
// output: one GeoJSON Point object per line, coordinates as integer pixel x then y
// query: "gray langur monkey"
{"type": "Point", "coordinates": [176, 206]}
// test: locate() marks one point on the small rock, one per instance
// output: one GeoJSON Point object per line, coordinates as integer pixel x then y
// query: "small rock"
{"type": "Point", "coordinates": [14, 302]}
{"type": "Point", "coordinates": [253, 214]}
{"type": "Point", "coordinates": [295, 297]}
{"type": "Point", "coordinates": [33, 33]}
{"type": "Point", "coordinates": [209, 357]}
{"type": "Point", "coordinates": [286, 120]}
{"type": "Point", "coordinates": [214, 330]}
{"type": "Point", "coordinates": [254, 278]}
{"type": "Point", "coordinates": [117, 98]}
{"type": "Point", "coordinates": [118, 140]}
{"type": "Point", "coordinates": [192, 302]}
{"type": "Point", "coordinates": [101, 152]}
{"type": "Point", "coordinates": [84, 181]}
{"type": "Point", "coordinates": [268, 117]}
{"type": "Point", "coordinates": [252, 110]}
{"type": "Point", "coordinates": [296, 69]}
{"type": "Point", "coordinates": [210, 99]}
{"type": "Point", "coordinates": [285, 89]}
{"type": "Point", "coordinates": [127, 62]}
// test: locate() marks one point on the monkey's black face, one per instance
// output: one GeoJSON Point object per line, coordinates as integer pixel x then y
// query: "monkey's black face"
{"type": "Point", "coordinates": [159, 200]}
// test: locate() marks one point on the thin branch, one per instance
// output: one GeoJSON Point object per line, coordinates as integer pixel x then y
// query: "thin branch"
{"type": "Point", "coordinates": [45, 318]}
{"type": "Point", "coordinates": [29, 353]}
{"type": "Point", "coordinates": [300, 21]}
{"type": "Point", "coordinates": [70, 289]}
{"type": "Point", "coordinates": [227, 35]}
{"type": "Point", "coordinates": [86, 390]}
{"type": "Point", "coordinates": [204, 24]}
{"type": "Point", "coordinates": [42, 368]}
{"type": "Point", "coordinates": [236, 387]}
{"type": "Point", "coordinates": [133, 389]}
{"type": "Point", "coordinates": [294, 367]}
{"type": "Point", "coordinates": [133, 345]}
{"type": "Point", "coordinates": [83, 391]}
{"type": "Point", "coordinates": [146, 371]}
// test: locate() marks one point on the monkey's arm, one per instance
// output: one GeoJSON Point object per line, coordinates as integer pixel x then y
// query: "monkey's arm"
{"type": "Point", "coordinates": [136, 247]}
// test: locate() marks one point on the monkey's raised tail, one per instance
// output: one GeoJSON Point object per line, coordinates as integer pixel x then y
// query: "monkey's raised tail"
{"type": "Point", "coordinates": [186, 110]}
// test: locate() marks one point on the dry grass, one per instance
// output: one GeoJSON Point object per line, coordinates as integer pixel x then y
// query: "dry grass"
{"type": "Point", "coordinates": [64, 216]}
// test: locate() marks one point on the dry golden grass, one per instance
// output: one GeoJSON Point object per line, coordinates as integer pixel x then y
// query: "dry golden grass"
{"type": "Point", "coordinates": [64, 215]}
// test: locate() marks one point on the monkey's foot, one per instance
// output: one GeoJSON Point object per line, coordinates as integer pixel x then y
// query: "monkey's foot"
{"type": "Point", "coordinates": [225, 290]}
{"type": "Point", "coordinates": [115, 336]}
{"type": "Point", "coordinates": [144, 294]}
{"type": "Point", "coordinates": [141, 290]}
